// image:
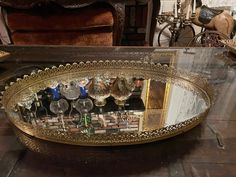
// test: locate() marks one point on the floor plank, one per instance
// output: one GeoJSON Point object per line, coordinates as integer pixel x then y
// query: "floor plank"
{"type": "Point", "coordinates": [8, 162]}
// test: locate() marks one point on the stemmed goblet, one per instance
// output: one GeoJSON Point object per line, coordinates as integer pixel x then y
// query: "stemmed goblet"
{"type": "Point", "coordinates": [58, 105]}
{"type": "Point", "coordinates": [71, 91]}
{"type": "Point", "coordinates": [99, 90]}
{"type": "Point", "coordinates": [121, 90]}
{"type": "Point", "coordinates": [84, 106]}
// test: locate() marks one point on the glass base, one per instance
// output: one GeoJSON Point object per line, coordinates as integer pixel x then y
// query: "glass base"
{"type": "Point", "coordinates": [100, 103]}
{"type": "Point", "coordinates": [120, 102]}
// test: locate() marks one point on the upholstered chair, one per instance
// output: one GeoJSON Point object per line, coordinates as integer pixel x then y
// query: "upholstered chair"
{"type": "Point", "coordinates": [86, 24]}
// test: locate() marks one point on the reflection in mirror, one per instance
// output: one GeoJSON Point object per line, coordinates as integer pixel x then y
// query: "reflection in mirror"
{"type": "Point", "coordinates": [147, 105]}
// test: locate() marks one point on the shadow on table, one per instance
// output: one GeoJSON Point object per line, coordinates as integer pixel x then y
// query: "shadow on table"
{"type": "Point", "coordinates": [113, 161]}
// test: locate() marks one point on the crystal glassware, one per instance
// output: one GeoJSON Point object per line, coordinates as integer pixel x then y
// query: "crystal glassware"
{"type": "Point", "coordinates": [71, 91]}
{"type": "Point", "coordinates": [58, 105]}
{"type": "Point", "coordinates": [84, 106]}
{"type": "Point", "coordinates": [121, 90]}
{"type": "Point", "coordinates": [26, 105]}
{"type": "Point", "coordinates": [99, 90]}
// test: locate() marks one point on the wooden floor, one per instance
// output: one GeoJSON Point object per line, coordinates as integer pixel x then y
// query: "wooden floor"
{"type": "Point", "coordinates": [206, 151]}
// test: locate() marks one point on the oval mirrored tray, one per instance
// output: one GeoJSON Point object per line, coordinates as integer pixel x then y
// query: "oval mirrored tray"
{"type": "Point", "coordinates": [107, 103]}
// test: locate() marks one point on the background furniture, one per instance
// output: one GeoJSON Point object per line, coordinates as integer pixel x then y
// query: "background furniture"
{"type": "Point", "coordinates": [52, 22]}
{"type": "Point", "coordinates": [140, 22]}
{"type": "Point", "coordinates": [46, 20]}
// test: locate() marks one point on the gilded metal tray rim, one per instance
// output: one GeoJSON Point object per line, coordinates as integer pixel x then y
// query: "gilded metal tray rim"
{"type": "Point", "coordinates": [111, 139]}
{"type": "Point", "coordinates": [159, 72]}
{"type": "Point", "coordinates": [39, 80]}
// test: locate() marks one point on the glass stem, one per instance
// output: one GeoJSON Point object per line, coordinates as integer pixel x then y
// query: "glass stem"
{"type": "Point", "coordinates": [85, 120]}
{"type": "Point", "coordinates": [62, 121]}
{"type": "Point", "coordinates": [71, 108]}
{"type": "Point", "coordinates": [100, 110]}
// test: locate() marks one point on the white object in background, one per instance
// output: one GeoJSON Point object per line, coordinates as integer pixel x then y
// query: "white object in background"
{"type": "Point", "coordinates": [161, 8]}
{"type": "Point", "coordinates": [176, 15]}
{"type": "Point", "coordinates": [188, 11]}
{"type": "Point", "coordinates": [194, 6]}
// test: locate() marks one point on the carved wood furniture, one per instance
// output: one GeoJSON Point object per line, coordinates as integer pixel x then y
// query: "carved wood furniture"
{"type": "Point", "coordinates": [115, 9]}
{"type": "Point", "coordinates": [62, 22]}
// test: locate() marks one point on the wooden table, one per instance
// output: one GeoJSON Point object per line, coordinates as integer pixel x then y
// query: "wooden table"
{"type": "Point", "coordinates": [207, 150]}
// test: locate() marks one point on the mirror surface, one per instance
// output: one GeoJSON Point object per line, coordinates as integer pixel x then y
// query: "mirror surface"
{"type": "Point", "coordinates": [110, 106]}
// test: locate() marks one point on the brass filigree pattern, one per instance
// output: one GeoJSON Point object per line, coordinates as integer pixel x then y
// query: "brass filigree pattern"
{"type": "Point", "coordinates": [42, 79]}
{"type": "Point", "coordinates": [111, 139]}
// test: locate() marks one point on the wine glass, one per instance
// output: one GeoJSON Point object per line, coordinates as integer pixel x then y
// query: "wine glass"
{"type": "Point", "coordinates": [71, 91]}
{"type": "Point", "coordinates": [121, 90]}
{"type": "Point", "coordinates": [58, 105]}
{"type": "Point", "coordinates": [84, 106]}
{"type": "Point", "coordinates": [26, 105]}
{"type": "Point", "coordinates": [98, 90]}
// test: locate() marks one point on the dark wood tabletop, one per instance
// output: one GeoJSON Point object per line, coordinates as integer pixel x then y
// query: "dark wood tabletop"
{"type": "Point", "coordinates": [205, 151]}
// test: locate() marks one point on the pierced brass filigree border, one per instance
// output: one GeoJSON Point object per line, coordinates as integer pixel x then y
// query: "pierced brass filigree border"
{"type": "Point", "coordinates": [37, 81]}
{"type": "Point", "coordinates": [105, 140]}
